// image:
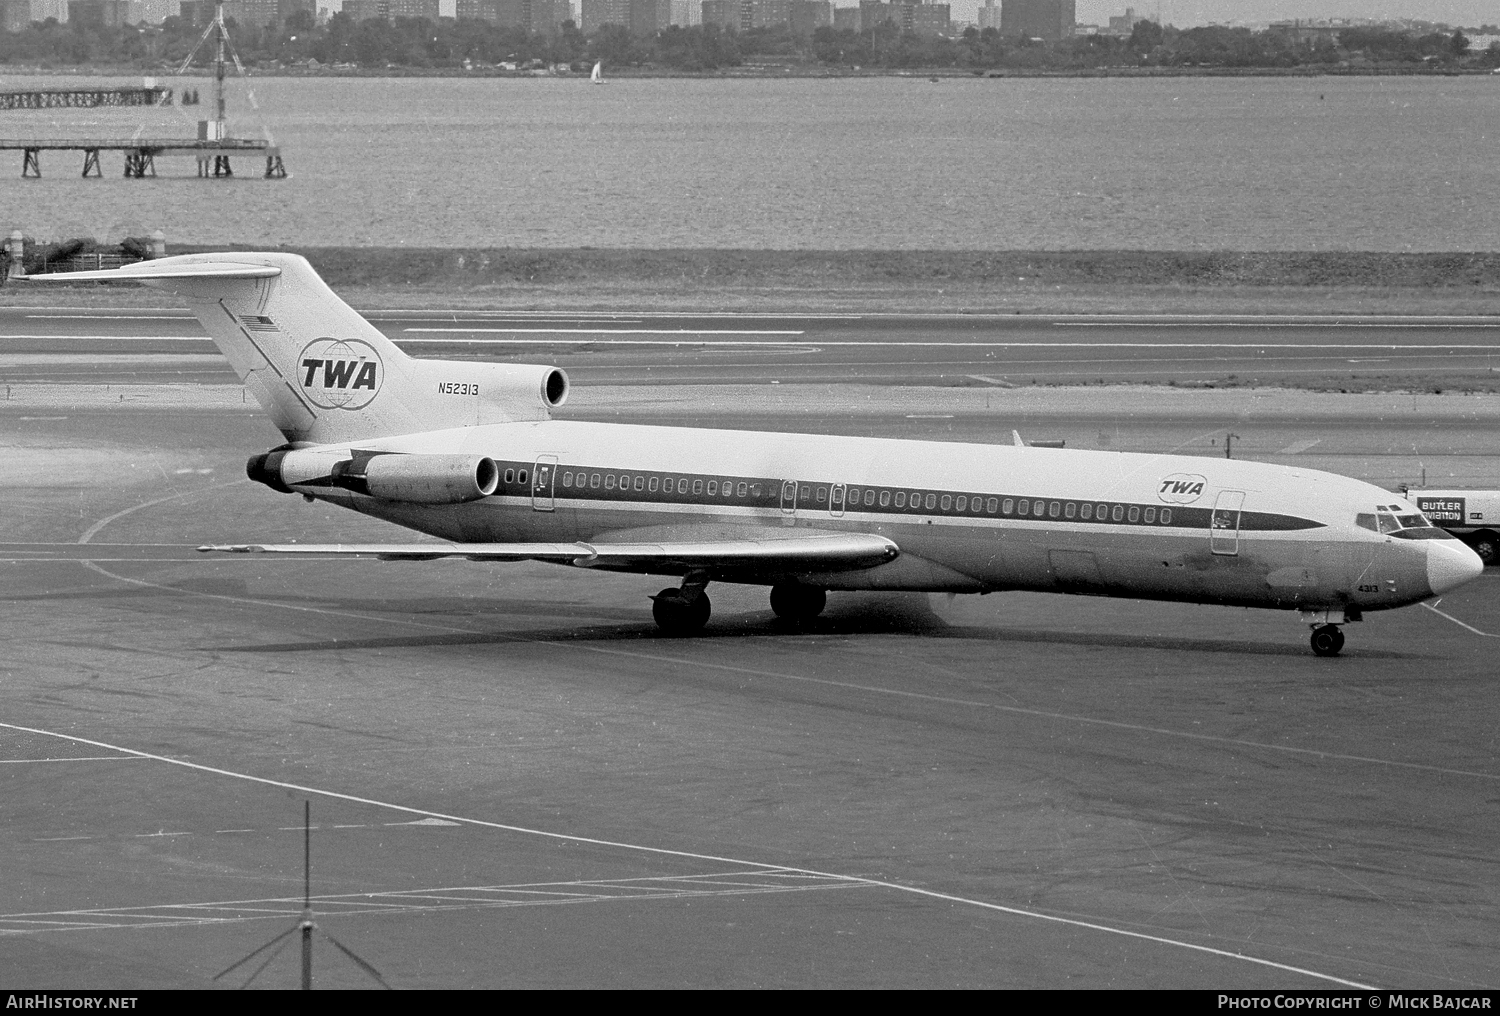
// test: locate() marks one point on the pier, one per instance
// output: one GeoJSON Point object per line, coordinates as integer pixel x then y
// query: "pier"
{"type": "Point", "coordinates": [141, 153]}
{"type": "Point", "coordinates": [77, 98]}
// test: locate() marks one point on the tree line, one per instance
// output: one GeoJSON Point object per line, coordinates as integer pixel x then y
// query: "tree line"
{"type": "Point", "coordinates": [450, 44]}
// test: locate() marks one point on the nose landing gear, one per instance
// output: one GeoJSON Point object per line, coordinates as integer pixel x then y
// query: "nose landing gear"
{"type": "Point", "coordinates": [1327, 640]}
{"type": "Point", "coordinates": [1327, 636]}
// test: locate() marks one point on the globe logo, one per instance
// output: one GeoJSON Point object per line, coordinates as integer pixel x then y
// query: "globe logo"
{"type": "Point", "coordinates": [340, 373]}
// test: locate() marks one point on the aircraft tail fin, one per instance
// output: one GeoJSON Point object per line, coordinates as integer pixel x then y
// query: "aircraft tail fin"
{"type": "Point", "coordinates": [321, 371]}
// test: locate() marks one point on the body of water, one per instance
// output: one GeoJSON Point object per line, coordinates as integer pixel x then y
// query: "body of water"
{"type": "Point", "coordinates": [1357, 163]}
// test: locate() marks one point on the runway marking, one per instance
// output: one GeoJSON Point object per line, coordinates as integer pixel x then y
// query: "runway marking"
{"type": "Point", "coordinates": [616, 331]}
{"type": "Point", "coordinates": [998, 382]}
{"type": "Point", "coordinates": [662, 887]}
{"type": "Point", "coordinates": [1440, 613]}
{"type": "Point", "coordinates": [1298, 447]}
{"type": "Point", "coordinates": [84, 758]}
{"type": "Point", "coordinates": [691, 855]}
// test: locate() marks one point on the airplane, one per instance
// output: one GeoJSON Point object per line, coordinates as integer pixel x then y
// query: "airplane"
{"type": "Point", "coordinates": [468, 453]}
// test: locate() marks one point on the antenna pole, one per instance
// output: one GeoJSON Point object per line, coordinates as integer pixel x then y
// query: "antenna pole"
{"type": "Point", "coordinates": [219, 65]}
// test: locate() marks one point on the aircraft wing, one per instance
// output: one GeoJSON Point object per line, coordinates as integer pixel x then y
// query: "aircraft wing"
{"type": "Point", "coordinates": [774, 552]}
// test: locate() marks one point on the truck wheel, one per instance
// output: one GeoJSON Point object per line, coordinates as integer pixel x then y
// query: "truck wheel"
{"type": "Point", "coordinates": [1487, 545]}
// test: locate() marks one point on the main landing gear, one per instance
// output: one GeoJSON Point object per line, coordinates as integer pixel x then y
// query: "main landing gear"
{"type": "Point", "coordinates": [796, 602]}
{"type": "Point", "coordinates": [682, 611]}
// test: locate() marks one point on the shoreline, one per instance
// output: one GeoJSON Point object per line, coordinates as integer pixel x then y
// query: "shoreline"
{"type": "Point", "coordinates": [1002, 282]}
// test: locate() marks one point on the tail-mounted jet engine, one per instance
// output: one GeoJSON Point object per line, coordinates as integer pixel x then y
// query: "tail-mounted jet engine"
{"type": "Point", "coordinates": [417, 479]}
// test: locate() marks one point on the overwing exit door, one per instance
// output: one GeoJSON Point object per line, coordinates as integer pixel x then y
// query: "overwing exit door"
{"type": "Point", "coordinates": [543, 476]}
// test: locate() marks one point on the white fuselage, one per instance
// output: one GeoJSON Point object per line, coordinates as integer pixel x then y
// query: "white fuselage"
{"type": "Point", "coordinates": [967, 517]}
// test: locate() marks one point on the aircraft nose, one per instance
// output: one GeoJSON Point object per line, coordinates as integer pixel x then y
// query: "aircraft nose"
{"type": "Point", "coordinates": [1450, 564]}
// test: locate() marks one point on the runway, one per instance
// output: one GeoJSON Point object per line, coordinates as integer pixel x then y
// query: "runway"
{"type": "Point", "coordinates": [515, 782]}
{"type": "Point", "coordinates": [140, 346]}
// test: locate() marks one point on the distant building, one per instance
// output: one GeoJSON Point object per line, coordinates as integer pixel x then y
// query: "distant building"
{"type": "Point", "coordinates": [1038, 19]}
{"type": "Point", "coordinates": [532, 15]}
{"type": "Point", "coordinates": [686, 13]}
{"type": "Point", "coordinates": [805, 16]}
{"type": "Point", "coordinates": [921, 18]}
{"type": "Point", "coordinates": [259, 13]}
{"type": "Point", "coordinates": [647, 17]}
{"type": "Point", "coordinates": [387, 10]}
{"type": "Point", "coordinates": [810, 15]}
{"type": "Point", "coordinates": [598, 13]}
{"type": "Point", "coordinates": [1310, 33]}
{"type": "Point", "coordinates": [99, 13]}
{"type": "Point", "coordinates": [1124, 24]}
{"type": "Point", "coordinates": [846, 19]}
{"type": "Point", "coordinates": [15, 15]}
{"type": "Point", "coordinates": [989, 16]}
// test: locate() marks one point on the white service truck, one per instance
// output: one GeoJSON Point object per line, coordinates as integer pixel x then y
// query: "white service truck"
{"type": "Point", "coordinates": [1471, 515]}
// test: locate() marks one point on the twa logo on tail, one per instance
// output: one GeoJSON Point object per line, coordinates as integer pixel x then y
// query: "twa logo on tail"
{"type": "Point", "coordinates": [1181, 488]}
{"type": "Point", "coordinates": [340, 373]}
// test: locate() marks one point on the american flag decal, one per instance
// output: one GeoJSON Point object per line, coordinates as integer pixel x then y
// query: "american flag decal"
{"type": "Point", "coordinates": [257, 322]}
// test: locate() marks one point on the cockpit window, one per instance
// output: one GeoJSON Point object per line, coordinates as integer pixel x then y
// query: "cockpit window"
{"type": "Point", "coordinates": [1413, 521]}
{"type": "Point", "coordinates": [1388, 523]}
{"type": "Point", "coordinates": [1366, 520]}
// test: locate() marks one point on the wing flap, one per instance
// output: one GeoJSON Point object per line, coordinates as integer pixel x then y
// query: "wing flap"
{"type": "Point", "coordinates": [823, 552]}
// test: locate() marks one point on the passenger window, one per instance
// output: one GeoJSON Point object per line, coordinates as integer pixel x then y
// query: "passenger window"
{"type": "Point", "coordinates": [931, 501]}
{"type": "Point", "coordinates": [1006, 507]}
{"type": "Point", "coordinates": [805, 492]}
{"type": "Point", "coordinates": [666, 485]}
{"type": "Point", "coordinates": [755, 490]}
{"type": "Point", "coordinates": [697, 486]}
{"type": "Point", "coordinates": [1135, 514]}
{"type": "Point", "coordinates": [1054, 509]}
{"type": "Point", "coordinates": [1024, 508]}
{"type": "Point", "coordinates": [963, 504]}
{"type": "Point", "coordinates": [609, 481]}
{"type": "Point", "coordinates": [854, 495]}
{"type": "Point", "coordinates": [654, 484]}
{"type": "Point", "coordinates": [1118, 514]}
{"type": "Point", "coordinates": [947, 502]}
{"type": "Point", "coordinates": [992, 505]}
{"type": "Point", "coordinates": [682, 485]}
{"type": "Point", "coordinates": [594, 480]}
{"type": "Point", "coordinates": [1166, 516]}
{"type": "Point", "coordinates": [1101, 512]}
{"type": "Point", "coordinates": [1039, 508]}
{"type": "Point", "coordinates": [1086, 512]}
{"type": "Point", "coordinates": [521, 477]}
{"type": "Point", "coordinates": [510, 474]}
{"type": "Point", "coordinates": [836, 501]}
{"type": "Point", "coordinates": [640, 483]}
{"type": "Point", "coordinates": [1070, 511]}
{"type": "Point", "coordinates": [885, 498]}
{"type": "Point", "coordinates": [822, 494]}
{"type": "Point", "coordinates": [1150, 514]}
{"type": "Point", "coordinates": [567, 480]}
{"type": "Point", "coordinates": [1388, 523]}
{"type": "Point", "coordinates": [900, 499]}
{"type": "Point", "coordinates": [742, 489]}
{"type": "Point", "coordinates": [869, 496]}
{"type": "Point", "coordinates": [976, 504]}
{"type": "Point", "coordinates": [713, 488]}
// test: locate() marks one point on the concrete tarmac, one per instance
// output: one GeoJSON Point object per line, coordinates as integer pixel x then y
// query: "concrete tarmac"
{"type": "Point", "coordinates": [137, 345]}
{"type": "Point", "coordinates": [515, 781]}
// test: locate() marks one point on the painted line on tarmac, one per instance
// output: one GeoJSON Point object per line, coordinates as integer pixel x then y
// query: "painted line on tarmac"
{"type": "Point", "coordinates": [80, 758]}
{"type": "Point", "coordinates": [1441, 613]}
{"type": "Point", "coordinates": [691, 855]}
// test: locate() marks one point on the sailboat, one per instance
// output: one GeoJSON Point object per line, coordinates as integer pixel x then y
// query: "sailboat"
{"type": "Point", "coordinates": [597, 78]}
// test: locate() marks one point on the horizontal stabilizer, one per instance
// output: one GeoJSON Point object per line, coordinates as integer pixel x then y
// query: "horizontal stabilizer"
{"type": "Point", "coordinates": [833, 551]}
{"type": "Point", "coordinates": [143, 271]}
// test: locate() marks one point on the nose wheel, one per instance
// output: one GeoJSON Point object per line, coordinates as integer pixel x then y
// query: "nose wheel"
{"type": "Point", "coordinates": [1327, 640]}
